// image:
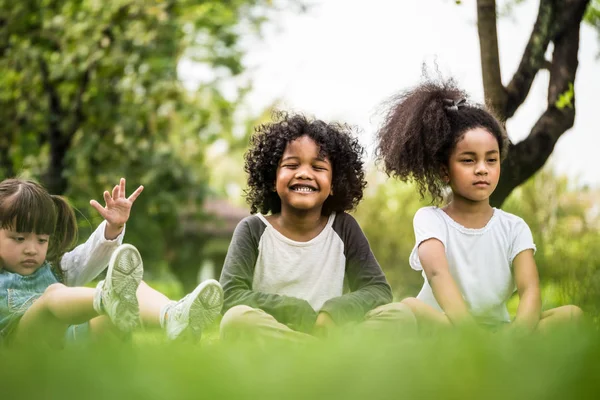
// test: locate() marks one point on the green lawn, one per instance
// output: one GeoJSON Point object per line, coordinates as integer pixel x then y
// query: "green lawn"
{"type": "Point", "coordinates": [565, 365]}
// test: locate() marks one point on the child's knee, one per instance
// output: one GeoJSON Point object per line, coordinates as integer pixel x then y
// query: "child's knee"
{"type": "Point", "coordinates": [411, 302]}
{"type": "Point", "coordinates": [53, 288]}
{"type": "Point", "coordinates": [398, 311]}
{"type": "Point", "coordinates": [575, 313]}
{"type": "Point", "coordinates": [236, 319]}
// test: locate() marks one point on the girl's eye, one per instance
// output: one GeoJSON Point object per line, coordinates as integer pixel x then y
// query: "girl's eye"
{"type": "Point", "coordinates": [42, 241]}
{"type": "Point", "coordinates": [19, 238]}
{"type": "Point", "coordinates": [319, 168]}
{"type": "Point", "coordinates": [466, 161]}
{"type": "Point", "coordinates": [492, 160]}
{"type": "Point", "coordinates": [290, 166]}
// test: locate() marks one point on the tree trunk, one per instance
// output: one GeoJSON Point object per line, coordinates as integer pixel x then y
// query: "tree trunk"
{"type": "Point", "coordinates": [6, 165]}
{"type": "Point", "coordinates": [494, 92]}
{"type": "Point", "coordinates": [54, 179]}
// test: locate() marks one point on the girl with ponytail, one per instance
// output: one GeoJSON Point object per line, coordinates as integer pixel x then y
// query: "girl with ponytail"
{"type": "Point", "coordinates": [41, 298]}
{"type": "Point", "coordinates": [472, 256]}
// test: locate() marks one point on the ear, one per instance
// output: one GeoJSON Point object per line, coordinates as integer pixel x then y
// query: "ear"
{"type": "Point", "coordinates": [444, 174]}
{"type": "Point", "coordinates": [331, 191]}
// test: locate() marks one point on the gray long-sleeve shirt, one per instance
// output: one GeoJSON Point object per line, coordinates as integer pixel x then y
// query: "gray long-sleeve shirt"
{"type": "Point", "coordinates": [293, 281]}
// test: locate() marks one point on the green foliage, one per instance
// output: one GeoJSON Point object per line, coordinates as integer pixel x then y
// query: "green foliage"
{"type": "Point", "coordinates": [90, 93]}
{"type": "Point", "coordinates": [565, 223]}
{"type": "Point", "coordinates": [592, 15]}
{"type": "Point", "coordinates": [226, 158]}
{"type": "Point", "coordinates": [565, 99]}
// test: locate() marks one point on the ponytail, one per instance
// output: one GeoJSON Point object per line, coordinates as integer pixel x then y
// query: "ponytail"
{"type": "Point", "coordinates": [421, 129]}
{"type": "Point", "coordinates": [65, 232]}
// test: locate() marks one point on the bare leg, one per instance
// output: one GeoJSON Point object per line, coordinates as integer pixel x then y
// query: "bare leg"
{"type": "Point", "coordinates": [151, 303]}
{"type": "Point", "coordinates": [59, 307]}
{"type": "Point", "coordinates": [102, 328]}
{"type": "Point", "coordinates": [565, 315]}
{"type": "Point", "coordinates": [188, 316]}
{"type": "Point", "coordinates": [428, 318]}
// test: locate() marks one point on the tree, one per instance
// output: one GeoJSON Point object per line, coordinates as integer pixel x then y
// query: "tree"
{"type": "Point", "coordinates": [89, 92]}
{"type": "Point", "coordinates": [558, 23]}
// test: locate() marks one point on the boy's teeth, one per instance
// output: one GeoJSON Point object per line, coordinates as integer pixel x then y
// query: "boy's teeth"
{"type": "Point", "coordinates": [303, 189]}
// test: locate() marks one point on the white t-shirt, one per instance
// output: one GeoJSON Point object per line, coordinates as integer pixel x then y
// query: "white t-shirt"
{"type": "Point", "coordinates": [312, 270]}
{"type": "Point", "coordinates": [480, 260]}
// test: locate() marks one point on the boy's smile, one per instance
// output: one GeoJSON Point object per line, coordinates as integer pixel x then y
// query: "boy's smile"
{"type": "Point", "coordinates": [303, 178]}
{"type": "Point", "coordinates": [304, 188]}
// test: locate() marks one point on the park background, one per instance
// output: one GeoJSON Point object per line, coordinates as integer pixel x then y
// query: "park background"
{"type": "Point", "coordinates": [166, 94]}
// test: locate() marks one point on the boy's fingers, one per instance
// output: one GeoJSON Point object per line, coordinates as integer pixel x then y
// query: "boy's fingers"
{"type": "Point", "coordinates": [98, 207]}
{"type": "Point", "coordinates": [116, 191]}
{"type": "Point", "coordinates": [135, 194]}
{"type": "Point", "coordinates": [107, 198]}
{"type": "Point", "coordinates": [122, 187]}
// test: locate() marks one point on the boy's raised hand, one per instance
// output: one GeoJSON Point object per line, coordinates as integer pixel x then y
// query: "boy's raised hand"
{"type": "Point", "coordinates": [117, 209]}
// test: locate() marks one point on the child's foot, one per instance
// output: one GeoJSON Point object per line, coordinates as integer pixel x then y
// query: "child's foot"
{"type": "Point", "coordinates": [190, 315]}
{"type": "Point", "coordinates": [118, 290]}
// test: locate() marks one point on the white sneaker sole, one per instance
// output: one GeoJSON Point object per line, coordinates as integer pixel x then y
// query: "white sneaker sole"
{"type": "Point", "coordinates": [125, 271]}
{"type": "Point", "coordinates": [206, 306]}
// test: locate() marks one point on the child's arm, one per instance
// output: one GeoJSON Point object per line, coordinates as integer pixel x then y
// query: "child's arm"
{"type": "Point", "coordinates": [86, 261]}
{"type": "Point", "coordinates": [528, 286]}
{"type": "Point", "coordinates": [435, 264]}
{"type": "Point", "coordinates": [237, 277]}
{"type": "Point", "coordinates": [368, 285]}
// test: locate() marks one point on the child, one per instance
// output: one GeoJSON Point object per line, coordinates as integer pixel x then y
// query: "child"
{"type": "Point", "coordinates": [37, 297]}
{"type": "Point", "coordinates": [472, 255]}
{"type": "Point", "coordinates": [286, 265]}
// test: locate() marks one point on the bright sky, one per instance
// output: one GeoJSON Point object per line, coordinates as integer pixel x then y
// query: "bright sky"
{"type": "Point", "coordinates": [343, 58]}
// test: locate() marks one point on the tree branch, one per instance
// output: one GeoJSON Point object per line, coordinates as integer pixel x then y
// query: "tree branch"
{"type": "Point", "coordinates": [533, 58]}
{"type": "Point", "coordinates": [494, 92]}
{"type": "Point", "coordinates": [568, 11]}
{"type": "Point", "coordinates": [529, 155]}
{"type": "Point", "coordinates": [554, 17]}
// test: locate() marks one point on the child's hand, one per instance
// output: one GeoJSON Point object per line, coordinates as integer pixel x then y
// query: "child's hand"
{"type": "Point", "coordinates": [323, 324]}
{"type": "Point", "coordinates": [117, 209]}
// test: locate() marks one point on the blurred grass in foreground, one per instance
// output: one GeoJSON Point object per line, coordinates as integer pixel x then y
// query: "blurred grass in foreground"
{"type": "Point", "coordinates": [564, 365]}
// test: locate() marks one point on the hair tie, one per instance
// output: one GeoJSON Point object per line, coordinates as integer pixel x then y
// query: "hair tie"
{"type": "Point", "coordinates": [454, 105]}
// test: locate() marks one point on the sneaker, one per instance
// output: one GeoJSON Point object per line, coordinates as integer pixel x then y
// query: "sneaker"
{"type": "Point", "coordinates": [119, 289]}
{"type": "Point", "coordinates": [190, 315]}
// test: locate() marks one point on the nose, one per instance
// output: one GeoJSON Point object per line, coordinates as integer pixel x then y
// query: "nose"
{"type": "Point", "coordinates": [302, 173]}
{"type": "Point", "coordinates": [481, 168]}
{"type": "Point", "coordinates": [31, 249]}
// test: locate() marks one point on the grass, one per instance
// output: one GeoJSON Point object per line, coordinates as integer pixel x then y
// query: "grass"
{"type": "Point", "coordinates": [563, 365]}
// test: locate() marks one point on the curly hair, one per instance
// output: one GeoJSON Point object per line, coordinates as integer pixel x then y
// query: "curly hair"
{"type": "Point", "coordinates": [420, 131]}
{"type": "Point", "coordinates": [335, 141]}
